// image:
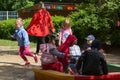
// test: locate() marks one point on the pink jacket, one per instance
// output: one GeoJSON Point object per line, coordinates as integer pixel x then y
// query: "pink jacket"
{"type": "Point", "coordinates": [64, 33]}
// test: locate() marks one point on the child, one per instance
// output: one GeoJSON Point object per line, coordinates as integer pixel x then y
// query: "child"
{"type": "Point", "coordinates": [92, 62]}
{"type": "Point", "coordinates": [75, 53]}
{"type": "Point", "coordinates": [71, 39]}
{"type": "Point", "coordinates": [91, 40]}
{"type": "Point", "coordinates": [65, 31]}
{"type": "Point", "coordinates": [23, 41]}
{"type": "Point", "coordinates": [49, 55]}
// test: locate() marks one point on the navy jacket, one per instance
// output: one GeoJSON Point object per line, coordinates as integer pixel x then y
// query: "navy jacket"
{"type": "Point", "coordinates": [92, 63]}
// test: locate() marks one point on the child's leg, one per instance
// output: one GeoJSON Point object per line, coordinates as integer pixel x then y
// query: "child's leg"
{"type": "Point", "coordinates": [27, 52]}
{"type": "Point", "coordinates": [21, 53]}
{"type": "Point", "coordinates": [65, 68]}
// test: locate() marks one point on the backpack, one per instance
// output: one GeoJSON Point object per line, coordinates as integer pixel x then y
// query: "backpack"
{"type": "Point", "coordinates": [46, 56]}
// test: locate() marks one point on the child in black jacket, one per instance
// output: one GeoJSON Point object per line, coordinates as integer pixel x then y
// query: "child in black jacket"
{"type": "Point", "coordinates": [92, 62]}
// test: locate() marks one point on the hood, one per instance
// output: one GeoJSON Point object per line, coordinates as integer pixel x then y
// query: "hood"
{"type": "Point", "coordinates": [70, 40]}
{"type": "Point", "coordinates": [96, 44]}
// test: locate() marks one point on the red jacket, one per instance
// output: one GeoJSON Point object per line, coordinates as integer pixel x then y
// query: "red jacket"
{"type": "Point", "coordinates": [65, 49]}
{"type": "Point", "coordinates": [40, 24]}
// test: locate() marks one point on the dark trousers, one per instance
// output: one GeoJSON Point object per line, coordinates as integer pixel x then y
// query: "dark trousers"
{"type": "Point", "coordinates": [40, 40]}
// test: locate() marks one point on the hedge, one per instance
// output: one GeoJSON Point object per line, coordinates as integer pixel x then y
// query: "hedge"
{"type": "Point", "coordinates": [7, 27]}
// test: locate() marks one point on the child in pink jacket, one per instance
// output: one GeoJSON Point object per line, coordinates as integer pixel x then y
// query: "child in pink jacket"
{"type": "Point", "coordinates": [65, 31]}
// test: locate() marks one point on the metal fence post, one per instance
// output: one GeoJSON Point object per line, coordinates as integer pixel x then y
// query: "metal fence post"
{"type": "Point", "coordinates": [7, 15]}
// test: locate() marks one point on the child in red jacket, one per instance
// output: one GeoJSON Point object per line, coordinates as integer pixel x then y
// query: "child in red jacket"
{"type": "Point", "coordinates": [64, 48]}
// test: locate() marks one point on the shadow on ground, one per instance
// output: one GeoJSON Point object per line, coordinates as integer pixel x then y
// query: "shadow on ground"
{"type": "Point", "coordinates": [14, 71]}
{"type": "Point", "coordinates": [11, 52]}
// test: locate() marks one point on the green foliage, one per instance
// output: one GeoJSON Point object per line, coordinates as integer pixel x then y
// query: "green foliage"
{"type": "Point", "coordinates": [57, 21]}
{"type": "Point", "coordinates": [99, 20]}
{"type": "Point", "coordinates": [7, 27]}
{"type": "Point", "coordinates": [12, 43]}
{"type": "Point", "coordinates": [10, 5]}
{"type": "Point", "coordinates": [22, 4]}
{"type": "Point", "coordinates": [6, 5]}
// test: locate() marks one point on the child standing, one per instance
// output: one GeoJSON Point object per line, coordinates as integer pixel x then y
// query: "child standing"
{"type": "Point", "coordinates": [23, 41]}
{"type": "Point", "coordinates": [65, 31]}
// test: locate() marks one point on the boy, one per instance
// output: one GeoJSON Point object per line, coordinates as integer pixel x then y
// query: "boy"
{"type": "Point", "coordinates": [92, 62]}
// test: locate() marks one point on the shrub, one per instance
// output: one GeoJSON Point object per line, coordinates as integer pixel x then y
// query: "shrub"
{"type": "Point", "coordinates": [98, 20]}
{"type": "Point", "coordinates": [7, 27]}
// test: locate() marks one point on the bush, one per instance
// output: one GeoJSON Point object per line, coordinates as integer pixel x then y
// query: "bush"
{"type": "Point", "coordinates": [97, 20]}
{"type": "Point", "coordinates": [57, 21]}
{"type": "Point", "coordinates": [7, 27]}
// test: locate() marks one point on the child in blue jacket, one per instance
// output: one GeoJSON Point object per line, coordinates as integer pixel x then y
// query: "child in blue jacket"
{"type": "Point", "coordinates": [23, 41]}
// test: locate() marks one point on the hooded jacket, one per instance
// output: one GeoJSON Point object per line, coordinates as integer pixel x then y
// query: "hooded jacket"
{"type": "Point", "coordinates": [92, 62]}
{"type": "Point", "coordinates": [40, 24]}
{"type": "Point", "coordinates": [65, 49]}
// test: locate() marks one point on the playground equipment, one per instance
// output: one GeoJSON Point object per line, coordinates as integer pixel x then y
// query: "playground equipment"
{"type": "Point", "coordinates": [114, 74]}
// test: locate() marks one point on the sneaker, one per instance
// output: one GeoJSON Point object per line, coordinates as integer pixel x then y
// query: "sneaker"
{"type": "Point", "coordinates": [36, 58]}
{"type": "Point", "coordinates": [27, 64]}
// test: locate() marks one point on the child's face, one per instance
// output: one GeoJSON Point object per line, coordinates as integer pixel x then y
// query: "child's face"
{"type": "Point", "coordinates": [89, 41]}
{"type": "Point", "coordinates": [18, 23]}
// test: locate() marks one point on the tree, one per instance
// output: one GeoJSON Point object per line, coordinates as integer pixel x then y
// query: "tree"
{"type": "Point", "coordinates": [22, 4]}
{"type": "Point", "coordinates": [10, 5]}
{"type": "Point", "coordinates": [6, 5]}
{"type": "Point", "coordinates": [98, 18]}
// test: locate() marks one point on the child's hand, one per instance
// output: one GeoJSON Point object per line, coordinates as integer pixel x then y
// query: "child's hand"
{"type": "Point", "coordinates": [102, 51]}
{"type": "Point", "coordinates": [11, 36]}
{"type": "Point", "coordinates": [69, 55]}
{"type": "Point", "coordinates": [88, 49]}
{"type": "Point", "coordinates": [52, 30]}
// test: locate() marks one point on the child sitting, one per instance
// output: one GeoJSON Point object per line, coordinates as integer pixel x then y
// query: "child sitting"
{"type": "Point", "coordinates": [75, 53]}
{"type": "Point", "coordinates": [71, 39]}
{"type": "Point", "coordinates": [92, 62]}
{"type": "Point", "coordinates": [49, 51]}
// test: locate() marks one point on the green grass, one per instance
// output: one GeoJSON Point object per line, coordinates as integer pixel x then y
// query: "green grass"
{"type": "Point", "coordinates": [12, 43]}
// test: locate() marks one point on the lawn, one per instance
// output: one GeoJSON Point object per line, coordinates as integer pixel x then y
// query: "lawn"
{"type": "Point", "coordinates": [12, 43]}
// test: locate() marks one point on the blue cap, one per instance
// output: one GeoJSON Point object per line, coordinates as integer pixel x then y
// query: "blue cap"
{"type": "Point", "coordinates": [90, 37]}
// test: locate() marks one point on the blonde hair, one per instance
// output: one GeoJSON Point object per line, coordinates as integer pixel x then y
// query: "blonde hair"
{"type": "Point", "coordinates": [20, 19]}
{"type": "Point", "coordinates": [66, 23]}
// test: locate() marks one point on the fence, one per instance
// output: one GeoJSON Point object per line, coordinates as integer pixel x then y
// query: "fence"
{"type": "Point", "coordinates": [5, 15]}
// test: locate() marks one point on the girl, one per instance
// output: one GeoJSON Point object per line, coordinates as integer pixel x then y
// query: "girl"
{"type": "Point", "coordinates": [65, 31]}
{"type": "Point", "coordinates": [49, 55]}
{"type": "Point", "coordinates": [23, 41]}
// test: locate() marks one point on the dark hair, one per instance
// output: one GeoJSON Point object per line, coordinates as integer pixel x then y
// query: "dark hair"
{"type": "Point", "coordinates": [50, 38]}
{"type": "Point", "coordinates": [96, 44]}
